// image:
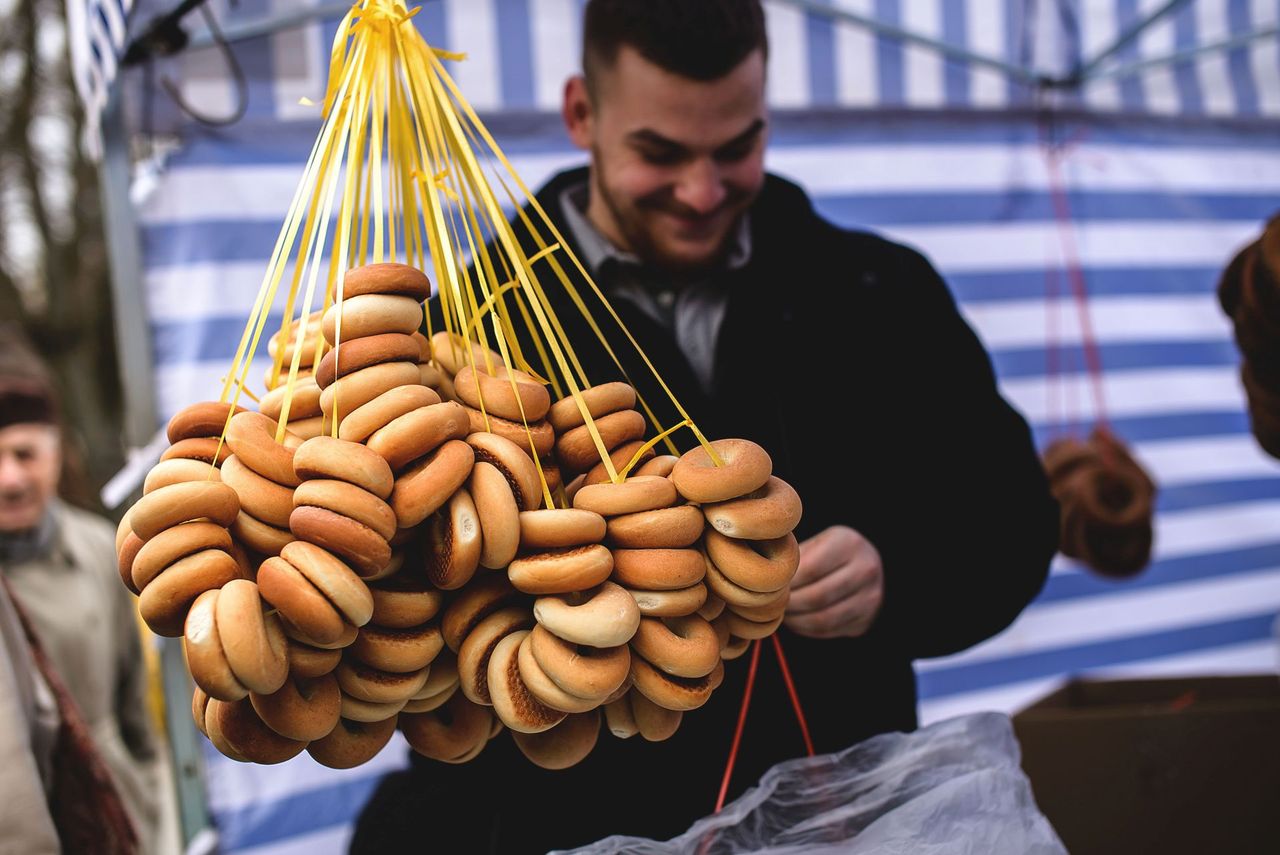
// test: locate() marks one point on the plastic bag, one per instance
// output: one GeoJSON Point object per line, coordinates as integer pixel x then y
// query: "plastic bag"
{"type": "Point", "coordinates": [953, 787]}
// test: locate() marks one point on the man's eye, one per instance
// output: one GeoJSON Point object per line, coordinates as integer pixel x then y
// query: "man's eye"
{"type": "Point", "coordinates": [660, 157]}
{"type": "Point", "coordinates": [735, 152]}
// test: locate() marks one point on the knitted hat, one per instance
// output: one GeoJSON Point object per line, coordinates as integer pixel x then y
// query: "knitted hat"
{"type": "Point", "coordinates": [26, 400]}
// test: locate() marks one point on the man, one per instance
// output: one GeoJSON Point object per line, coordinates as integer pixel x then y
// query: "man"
{"type": "Point", "coordinates": [60, 564]}
{"type": "Point", "coordinates": [928, 524]}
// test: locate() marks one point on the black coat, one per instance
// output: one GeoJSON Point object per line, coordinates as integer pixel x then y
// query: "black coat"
{"type": "Point", "coordinates": [844, 356]}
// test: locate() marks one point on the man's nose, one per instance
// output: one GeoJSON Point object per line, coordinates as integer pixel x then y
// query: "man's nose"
{"type": "Point", "coordinates": [12, 473]}
{"type": "Point", "coordinates": [700, 187]}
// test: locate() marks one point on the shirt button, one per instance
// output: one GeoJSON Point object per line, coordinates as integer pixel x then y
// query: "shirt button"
{"type": "Point", "coordinates": [666, 299]}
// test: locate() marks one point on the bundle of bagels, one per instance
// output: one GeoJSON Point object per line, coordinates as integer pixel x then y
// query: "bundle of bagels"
{"type": "Point", "coordinates": [1249, 293]}
{"type": "Point", "coordinates": [1107, 503]}
{"type": "Point", "coordinates": [425, 541]}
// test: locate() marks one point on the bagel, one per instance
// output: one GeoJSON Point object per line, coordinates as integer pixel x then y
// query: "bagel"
{"type": "Point", "coordinates": [258, 536]}
{"type": "Point", "coordinates": [734, 594]}
{"type": "Point", "coordinates": [554, 528]}
{"type": "Point", "coordinates": [431, 702]}
{"type": "Point", "coordinates": [563, 746]}
{"type": "Point", "coordinates": [513, 703]}
{"type": "Point", "coordinates": [506, 392]}
{"type": "Point", "coordinates": [683, 647]}
{"type": "Point", "coordinates": [165, 601]}
{"type": "Point", "coordinates": [285, 589]}
{"type": "Point", "coordinates": [551, 474]}
{"type": "Point", "coordinates": [369, 711]}
{"type": "Point", "coordinates": [398, 650]}
{"type": "Point", "coordinates": [658, 569]}
{"type": "Point", "coordinates": [576, 450]}
{"type": "Point", "coordinates": [662, 466]}
{"type": "Point", "coordinates": [359, 424]}
{"type": "Point", "coordinates": [653, 722]}
{"type": "Point", "coordinates": [302, 709]}
{"type": "Point", "coordinates": [179, 503]}
{"type": "Point", "coordinates": [404, 601]}
{"type": "Point", "coordinates": [602, 617]}
{"type": "Point", "coordinates": [253, 641]}
{"type": "Point", "coordinates": [473, 604]}
{"type": "Point", "coordinates": [670, 691]}
{"type": "Point", "coordinates": [373, 685]}
{"type": "Point", "coordinates": [371, 314]}
{"type": "Point", "coordinates": [751, 630]}
{"type": "Point", "coordinates": [450, 734]}
{"type": "Point", "coordinates": [259, 497]}
{"type": "Point", "coordinates": [273, 380]}
{"type": "Point", "coordinates": [178, 471]}
{"type": "Point", "coordinates": [478, 646]}
{"type": "Point", "coordinates": [602, 400]}
{"type": "Point", "coordinates": [342, 460]}
{"type": "Point", "coordinates": [712, 607]}
{"type": "Point", "coordinates": [360, 546]}
{"type": "Point", "coordinates": [544, 688]}
{"type": "Point", "coordinates": [767, 612]}
{"type": "Point", "coordinates": [734, 648]}
{"type": "Point", "coordinates": [204, 419]}
{"type": "Point", "coordinates": [584, 672]}
{"type": "Point", "coordinates": [127, 553]}
{"type": "Point", "coordinates": [632, 496]}
{"type": "Point", "coordinates": [357, 353]}
{"type": "Point", "coordinates": [386, 277]}
{"type": "Point", "coordinates": [515, 465]}
{"type": "Point", "coordinates": [498, 513]}
{"type": "Point", "coordinates": [308, 661]}
{"type": "Point", "coordinates": [442, 682]}
{"type": "Point", "coordinates": [429, 375]}
{"type": "Point", "coordinates": [770, 512]}
{"type": "Point", "coordinates": [424, 346]}
{"type": "Point", "coordinates": [757, 565]}
{"type": "Point", "coordinates": [561, 571]}
{"type": "Point", "coordinates": [252, 440]}
{"type": "Point", "coordinates": [202, 448]}
{"type": "Point", "coordinates": [665, 528]}
{"type": "Point", "coordinates": [308, 428]}
{"type": "Point", "coordinates": [677, 603]}
{"type": "Point", "coordinates": [419, 432]}
{"type": "Point", "coordinates": [426, 485]}
{"type": "Point", "coordinates": [199, 707]}
{"type": "Point", "coordinates": [620, 458]}
{"type": "Point", "coordinates": [205, 657]}
{"type": "Point", "coordinates": [348, 637]}
{"type": "Point", "coordinates": [214, 733]}
{"type": "Point", "coordinates": [453, 542]}
{"type": "Point", "coordinates": [248, 736]}
{"type": "Point", "coordinates": [359, 388]}
{"type": "Point", "coordinates": [304, 404]}
{"type": "Point", "coordinates": [746, 468]}
{"type": "Point", "coordinates": [352, 743]}
{"type": "Point", "coordinates": [539, 432]}
{"type": "Point", "coordinates": [349, 500]}
{"type": "Point", "coordinates": [618, 717]}
{"type": "Point", "coordinates": [172, 544]}
{"type": "Point", "coordinates": [450, 351]}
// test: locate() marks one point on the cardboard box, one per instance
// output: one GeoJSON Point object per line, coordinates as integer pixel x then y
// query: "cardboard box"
{"type": "Point", "coordinates": [1158, 766]}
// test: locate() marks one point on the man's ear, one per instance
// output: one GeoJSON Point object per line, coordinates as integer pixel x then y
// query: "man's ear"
{"type": "Point", "coordinates": [577, 112]}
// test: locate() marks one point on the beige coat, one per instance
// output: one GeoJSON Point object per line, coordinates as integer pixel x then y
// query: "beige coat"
{"type": "Point", "coordinates": [85, 620]}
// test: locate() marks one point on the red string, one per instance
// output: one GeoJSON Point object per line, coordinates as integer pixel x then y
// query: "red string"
{"type": "Point", "coordinates": [742, 723]}
{"type": "Point", "coordinates": [795, 698]}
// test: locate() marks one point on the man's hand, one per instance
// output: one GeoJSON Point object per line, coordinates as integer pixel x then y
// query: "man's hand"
{"type": "Point", "coordinates": [839, 587]}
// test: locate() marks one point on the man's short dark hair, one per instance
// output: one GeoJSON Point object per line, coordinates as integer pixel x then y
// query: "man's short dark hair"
{"type": "Point", "coordinates": [698, 39]}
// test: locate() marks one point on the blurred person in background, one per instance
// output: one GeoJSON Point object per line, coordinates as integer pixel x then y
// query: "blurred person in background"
{"type": "Point", "coordinates": [59, 564]}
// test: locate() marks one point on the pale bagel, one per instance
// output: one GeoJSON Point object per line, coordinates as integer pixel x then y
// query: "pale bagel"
{"type": "Point", "coordinates": [584, 672]}
{"type": "Point", "coordinates": [565, 414]}
{"type": "Point", "coordinates": [326, 457]}
{"type": "Point", "coordinates": [553, 528]}
{"type": "Point", "coordinates": [576, 450]}
{"type": "Point", "coordinates": [452, 352]}
{"type": "Point", "coordinates": [376, 686]}
{"type": "Point", "coordinates": [478, 646]}
{"type": "Point", "coordinates": [676, 603]}
{"type": "Point", "coordinates": [203, 649]}
{"type": "Point", "coordinates": [304, 404]}
{"type": "Point", "coordinates": [453, 542]}
{"type": "Point", "coordinates": [371, 314]}
{"type": "Point", "coordinates": [252, 440]}
{"type": "Point", "coordinates": [498, 513]}
{"type": "Point", "coordinates": [544, 688]}
{"type": "Point", "coordinates": [359, 424]}
{"type": "Point", "coordinates": [178, 471]}
{"type": "Point", "coordinates": [513, 703]}
{"type": "Point", "coordinates": [620, 458]}
{"type": "Point", "coordinates": [641, 493]}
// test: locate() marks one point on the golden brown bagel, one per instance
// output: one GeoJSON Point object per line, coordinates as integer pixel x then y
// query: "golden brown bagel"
{"type": "Point", "coordinates": [126, 553]}
{"type": "Point", "coordinates": [618, 717]}
{"type": "Point", "coordinates": [554, 528]}
{"type": "Point", "coordinates": [540, 432]}
{"type": "Point", "coordinates": [285, 589]}
{"type": "Point", "coordinates": [355, 543]}
{"type": "Point", "coordinates": [452, 352]}
{"type": "Point", "coordinates": [371, 314]}
{"type": "Point", "coordinates": [248, 736]}
{"type": "Point", "coordinates": [664, 528]}
{"type": "Point", "coordinates": [712, 607]}
{"type": "Point", "coordinates": [641, 493]}
{"type": "Point", "coordinates": [676, 603]}
{"type": "Point", "coordinates": [348, 500]}
{"type": "Point", "coordinates": [661, 466]}
{"type": "Point", "coordinates": [584, 672]}
{"type": "Point", "coordinates": [207, 418]}
{"type": "Point", "coordinates": [600, 617]}
{"type": "Point", "coordinates": [304, 404]}
{"type": "Point", "coordinates": [757, 565]}
{"type": "Point", "coordinates": [576, 450]}
{"type": "Point", "coordinates": [733, 594]}
{"type": "Point", "coordinates": [259, 537]}
{"type": "Point", "coordinates": [419, 432]}
{"type": "Point", "coordinates": [177, 471]}
{"type": "Point", "coordinates": [333, 578]}
{"type": "Point", "coordinates": [516, 466]}
{"type": "Point", "coordinates": [205, 657]}
{"type": "Point", "coordinates": [684, 647]}
{"type": "Point", "coordinates": [404, 601]}
{"type": "Point", "coordinates": [375, 686]}
{"type": "Point", "coordinates": [203, 448]}
{"type": "Point", "coordinates": [453, 542]}
{"type": "Point", "coordinates": [449, 734]}
{"type": "Point", "coordinates": [770, 512]}
{"type": "Point", "coordinates": [674, 693]}
{"type": "Point", "coordinates": [357, 353]}
{"type": "Point", "coordinates": [302, 709]}
{"type": "Point", "coordinates": [654, 723]}
{"type": "Point", "coordinates": [426, 485]}
{"type": "Point", "coordinates": [473, 604]}
{"type": "Point", "coordinates": [658, 569]}
{"type": "Point", "coordinates": [512, 701]}
{"type": "Point", "coordinates": [326, 457]}
{"type": "Point", "coordinates": [386, 277]}
{"type": "Point", "coordinates": [479, 644]}
{"type": "Point", "coordinates": [308, 661]}
{"type": "Point", "coordinates": [352, 743]}
{"type": "Point", "coordinates": [560, 571]}
{"type": "Point", "coordinates": [563, 746]}
{"type": "Point", "coordinates": [252, 440]}
{"type": "Point", "coordinates": [565, 415]}
{"type": "Point", "coordinates": [507, 393]}
{"type": "Point", "coordinates": [254, 641]}
{"type": "Point", "coordinates": [359, 424]}
{"type": "Point", "coordinates": [179, 503]}
{"type": "Point", "coordinates": [544, 688]}
{"type": "Point", "coordinates": [369, 711]}
{"type": "Point", "coordinates": [741, 627]}
{"type": "Point", "coordinates": [172, 544]}
{"type": "Point", "coordinates": [398, 650]}
{"type": "Point", "coordinates": [498, 513]}
{"type": "Point", "coordinates": [620, 458]}
{"type": "Point", "coordinates": [746, 468]}
{"type": "Point", "coordinates": [359, 388]}
{"type": "Point", "coordinates": [165, 601]}
{"type": "Point", "coordinates": [260, 497]}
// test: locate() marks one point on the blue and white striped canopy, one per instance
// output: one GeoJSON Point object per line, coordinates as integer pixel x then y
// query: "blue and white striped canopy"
{"type": "Point", "coordinates": [1167, 172]}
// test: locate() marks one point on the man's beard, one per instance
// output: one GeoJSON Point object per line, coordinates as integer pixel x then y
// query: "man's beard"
{"type": "Point", "coordinates": [644, 247]}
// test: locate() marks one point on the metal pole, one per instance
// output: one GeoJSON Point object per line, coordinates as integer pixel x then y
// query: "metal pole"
{"type": "Point", "coordinates": [892, 31]}
{"type": "Point", "coordinates": [1185, 55]}
{"type": "Point", "coordinates": [1087, 70]}
{"type": "Point", "coordinates": [267, 26]}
